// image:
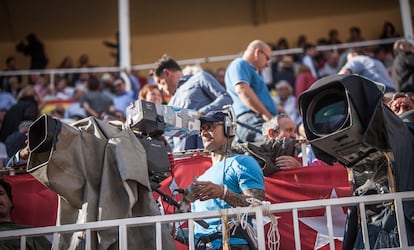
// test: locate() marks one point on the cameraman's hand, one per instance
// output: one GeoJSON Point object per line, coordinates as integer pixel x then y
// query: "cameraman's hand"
{"type": "Point", "coordinates": [205, 190]}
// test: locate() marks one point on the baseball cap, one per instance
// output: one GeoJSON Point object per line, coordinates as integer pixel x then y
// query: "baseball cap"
{"type": "Point", "coordinates": [213, 116]}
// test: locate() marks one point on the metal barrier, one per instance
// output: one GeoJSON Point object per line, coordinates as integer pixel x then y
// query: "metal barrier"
{"type": "Point", "coordinates": [257, 211]}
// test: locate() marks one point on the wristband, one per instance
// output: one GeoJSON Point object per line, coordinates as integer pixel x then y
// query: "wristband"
{"type": "Point", "coordinates": [224, 192]}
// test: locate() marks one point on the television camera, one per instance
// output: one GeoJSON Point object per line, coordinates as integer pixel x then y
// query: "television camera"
{"type": "Point", "coordinates": [346, 120]}
{"type": "Point", "coordinates": [151, 121]}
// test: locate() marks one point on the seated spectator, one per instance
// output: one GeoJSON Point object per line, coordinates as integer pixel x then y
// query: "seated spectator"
{"type": "Point", "coordinates": [26, 108]}
{"type": "Point", "coordinates": [285, 71]}
{"type": "Point", "coordinates": [6, 100]}
{"type": "Point", "coordinates": [107, 84]}
{"type": "Point", "coordinates": [75, 111]}
{"type": "Point", "coordinates": [310, 59]}
{"type": "Point", "coordinates": [94, 101]}
{"type": "Point", "coordinates": [40, 84]}
{"type": "Point", "coordinates": [331, 65]}
{"type": "Point", "coordinates": [304, 80]}
{"type": "Point", "coordinates": [151, 93]}
{"type": "Point", "coordinates": [6, 223]}
{"type": "Point", "coordinates": [67, 63]}
{"type": "Point", "coordinates": [58, 112]}
{"type": "Point", "coordinates": [403, 65]}
{"type": "Point", "coordinates": [10, 66]}
{"type": "Point", "coordinates": [219, 75]}
{"type": "Point", "coordinates": [123, 97]}
{"type": "Point", "coordinates": [388, 31]}
{"type": "Point", "coordinates": [286, 101]}
{"type": "Point", "coordinates": [61, 90]}
{"type": "Point", "coordinates": [17, 140]}
{"type": "Point", "coordinates": [281, 127]}
{"type": "Point", "coordinates": [13, 85]}
{"type": "Point", "coordinates": [401, 103]}
{"type": "Point", "coordinates": [355, 35]}
{"type": "Point", "coordinates": [333, 37]}
{"type": "Point", "coordinates": [277, 151]}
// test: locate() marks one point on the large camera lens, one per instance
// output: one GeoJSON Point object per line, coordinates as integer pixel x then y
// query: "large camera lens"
{"type": "Point", "coordinates": [328, 112]}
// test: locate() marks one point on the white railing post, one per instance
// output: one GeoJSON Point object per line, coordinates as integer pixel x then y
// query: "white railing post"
{"type": "Point", "coordinates": [363, 223]}
{"type": "Point", "coordinates": [191, 234]}
{"type": "Point", "coordinates": [399, 210]}
{"type": "Point", "coordinates": [123, 240]}
{"type": "Point", "coordinates": [261, 242]}
{"type": "Point", "coordinates": [23, 242]}
{"type": "Point", "coordinates": [88, 239]}
{"type": "Point", "coordinates": [329, 224]}
{"type": "Point", "coordinates": [295, 219]}
{"type": "Point", "coordinates": [158, 235]}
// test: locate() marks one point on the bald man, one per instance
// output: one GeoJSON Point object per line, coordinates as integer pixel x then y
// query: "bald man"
{"type": "Point", "coordinates": [252, 102]}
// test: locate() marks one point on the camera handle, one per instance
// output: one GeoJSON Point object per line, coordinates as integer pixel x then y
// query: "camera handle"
{"type": "Point", "coordinates": [173, 202]}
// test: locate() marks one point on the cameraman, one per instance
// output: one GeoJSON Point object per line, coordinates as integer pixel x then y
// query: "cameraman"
{"type": "Point", "coordinates": [228, 183]}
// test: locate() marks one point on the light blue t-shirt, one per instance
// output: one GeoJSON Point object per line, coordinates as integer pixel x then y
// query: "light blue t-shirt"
{"type": "Point", "coordinates": [241, 172]}
{"type": "Point", "coordinates": [240, 70]}
{"type": "Point", "coordinates": [372, 69]}
{"type": "Point", "coordinates": [122, 101]}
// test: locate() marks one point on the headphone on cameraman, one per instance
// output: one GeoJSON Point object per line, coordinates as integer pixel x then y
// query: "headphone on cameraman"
{"type": "Point", "coordinates": [229, 121]}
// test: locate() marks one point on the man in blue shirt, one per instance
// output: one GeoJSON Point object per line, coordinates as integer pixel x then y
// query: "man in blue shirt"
{"type": "Point", "coordinates": [228, 183]}
{"type": "Point", "coordinates": [200, 91]}
{"type": "Point", "coordinates": [124, 97]}
{"type": "Point", "coordinates": [253, 104]}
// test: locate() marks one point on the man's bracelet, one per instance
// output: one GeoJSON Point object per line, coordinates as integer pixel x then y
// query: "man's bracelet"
{"type": "Point", "coordinates": [224, 192]}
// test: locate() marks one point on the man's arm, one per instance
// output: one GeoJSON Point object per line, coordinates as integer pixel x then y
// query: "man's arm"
{"type": "Point", "coordinates": [239, 200]}
{"type": "Point", "coordinates": [344, 71]}
{"type": "Point", "coordinates": [89, 109]}
{"type": "Point", "coordinates": [205, 190]}
{"type": "Point", "coordinates": [250, 99]}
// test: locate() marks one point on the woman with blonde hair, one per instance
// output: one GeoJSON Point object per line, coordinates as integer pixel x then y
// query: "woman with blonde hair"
{"type": "Point", "coordinates": [151, 93]}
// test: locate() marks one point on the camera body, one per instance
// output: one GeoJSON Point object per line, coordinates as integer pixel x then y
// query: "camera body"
{"type": "Point", "coordinates": [155, 119]}
{"type": "Point", "coordinates": [345, 119]}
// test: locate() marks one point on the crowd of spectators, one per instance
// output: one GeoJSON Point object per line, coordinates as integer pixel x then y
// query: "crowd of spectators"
{"type": "Point", "coordinates": [74, 96]}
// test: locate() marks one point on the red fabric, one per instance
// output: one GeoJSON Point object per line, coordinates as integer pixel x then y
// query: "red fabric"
{"type": "Point", "coordinates": [184, 171]}
{"type": "Point", "coordinates": [34, 204]}
{"type": "Point", "coordinates": [301, 184]}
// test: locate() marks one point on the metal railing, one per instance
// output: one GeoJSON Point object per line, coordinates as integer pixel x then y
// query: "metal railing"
{"type": "Point", "coordinates": [257, 211]}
